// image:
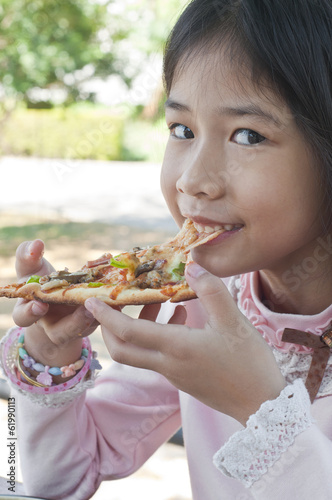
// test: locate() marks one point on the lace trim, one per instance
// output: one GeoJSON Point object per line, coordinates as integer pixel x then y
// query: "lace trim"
{"type": "Point", "coordinates": [250, 452]}
{"type": "Point", "coordinates": [60, 399]}
{"type": "Point", "coordinates": [54, 397]}
{"type": "Point", "coordinates": [295, 365]}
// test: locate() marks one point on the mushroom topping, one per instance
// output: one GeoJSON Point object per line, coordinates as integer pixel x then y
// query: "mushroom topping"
{"type": "Point", "coordinates": [70, 278]}
{"type": "Point", "coordinates": [146, 267]}
{"type": "Point", "coordinates": [77, 277]}
{"type": "Point", "coordinates": [151, 280]}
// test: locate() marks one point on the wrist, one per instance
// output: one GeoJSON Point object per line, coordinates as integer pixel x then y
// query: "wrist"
{"type": "Point", "coordinates": [41, 395]}
{"type": "Point", "coordinates": [262, 395]}
{"type": "Point", "coordinates": [42, 349]}
{"type": "Point", "coordinates": [40, 375]}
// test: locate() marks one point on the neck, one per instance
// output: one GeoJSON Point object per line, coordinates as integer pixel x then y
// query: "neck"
{"type": "Point", "coordinates": [305, 294]}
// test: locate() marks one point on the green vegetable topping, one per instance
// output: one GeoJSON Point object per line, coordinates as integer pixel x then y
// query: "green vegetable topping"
{"type": "Point", "coordinates": [34, 279]}
{"type": "Point", "coordinates": [125, 261]}
{"type": "Point", "coordinates": [95, 285]}
{"type": "Point", "coordinates": [178, 272]}
{"type": "Point", "coordinates": [122, 264]}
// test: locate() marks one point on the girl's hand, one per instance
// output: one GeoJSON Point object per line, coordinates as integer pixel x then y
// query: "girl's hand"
{"type": "Point", "coordinates": [54, 332]}
{"type": "Point", "coordinates": [226, 364]}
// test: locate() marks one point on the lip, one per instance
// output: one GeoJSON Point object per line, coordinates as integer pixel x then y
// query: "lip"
{"type": "Point", "coordinates": [205, 221]}
{"type": "Point", "coordinates": [222, 237]}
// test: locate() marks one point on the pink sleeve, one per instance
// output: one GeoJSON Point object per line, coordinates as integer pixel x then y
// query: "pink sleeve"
{"type": "Point", "coordinates": [107, 433]}
{"type": "Point", "coordinates": [70, 439]}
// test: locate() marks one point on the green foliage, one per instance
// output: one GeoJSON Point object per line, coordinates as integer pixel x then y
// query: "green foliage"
{"type": "Point", "coordinates": [78, 132]}
{"type": "Point", "coordinates": [58, 44]}
{"type": "Point", "coordinates": [144, 140]}
{"type": "Point", "coordinates": [44, 41]}
{"type": "Point", "coordinates": [154, 20]}
{"type": "Point", "coordinates": [83, 132]}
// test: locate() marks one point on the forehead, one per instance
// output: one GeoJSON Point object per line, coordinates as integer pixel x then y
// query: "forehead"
{"type": "Point", "coordinates": [213, 81]}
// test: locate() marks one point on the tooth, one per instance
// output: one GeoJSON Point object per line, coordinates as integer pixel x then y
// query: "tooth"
{"type": "Point", "coordinates": [199, 227]}
{"type": "Point", "coordinates": [208, 229]}
{"type": "Point", "coordinates": [228, 227]}
{"type": "Point", "coordinates": [218, 228]}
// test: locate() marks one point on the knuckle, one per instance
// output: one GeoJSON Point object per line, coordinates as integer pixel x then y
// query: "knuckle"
{"type": "Point", "coordinates": [22, 315]}
{"type": "Point", "coordinates": [125, 334]}
{"type": "Point", "coordinates": [210, 286]}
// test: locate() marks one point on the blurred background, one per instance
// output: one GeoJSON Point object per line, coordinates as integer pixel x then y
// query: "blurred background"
{"type": "Point", "coordinates": [82, 136]}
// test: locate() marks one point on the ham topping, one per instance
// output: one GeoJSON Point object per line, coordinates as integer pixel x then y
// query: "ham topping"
{"type": "Point", "coordinates": [103, 260]}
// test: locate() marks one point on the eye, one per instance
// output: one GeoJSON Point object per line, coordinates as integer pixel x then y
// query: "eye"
{"type": "Point", "coordinates": [247, 137]}
{"type": "Point", "coordinates": [181, 131]}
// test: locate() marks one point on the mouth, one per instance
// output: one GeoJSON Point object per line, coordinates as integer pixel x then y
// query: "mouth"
{"type": "Point", "coordinates": [210, 232]}
{"type": "Point", "coordinates": [209, 228]}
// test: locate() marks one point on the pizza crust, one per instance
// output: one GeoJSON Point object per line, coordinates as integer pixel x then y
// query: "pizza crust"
{"type": "Point", "coordinates": [77, 294]}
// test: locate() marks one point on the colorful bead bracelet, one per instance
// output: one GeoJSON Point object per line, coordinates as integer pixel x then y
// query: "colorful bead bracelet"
{"type": "Point", "coordinates": [46, 372]}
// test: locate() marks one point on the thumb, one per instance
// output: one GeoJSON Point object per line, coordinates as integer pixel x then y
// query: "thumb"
{"type": "Point", "coordinates": [29, 258]}
{"type": "Point", "coordinates": [212, 292]}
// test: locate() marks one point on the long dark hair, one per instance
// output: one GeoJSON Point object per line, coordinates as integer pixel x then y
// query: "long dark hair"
{"type": "Point", "coordinates": [287, 42]}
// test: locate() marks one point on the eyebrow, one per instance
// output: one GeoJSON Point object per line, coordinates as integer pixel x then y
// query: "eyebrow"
{"type": "Point", "coordinates": [176, 105]}
{"type": "Point", "coordinates": [251, 110]}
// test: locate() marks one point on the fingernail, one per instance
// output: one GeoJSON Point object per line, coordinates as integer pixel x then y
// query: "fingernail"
{"type": "Point", "coordinates": [29, 248]}
{"type": "Point", "coordinates": [90, 305]}
{"type": "Point", "coordinates": [195, 270]}
{"type": "Point", "coordinates": [38, 309]}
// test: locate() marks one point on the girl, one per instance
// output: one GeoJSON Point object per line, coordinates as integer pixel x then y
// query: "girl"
{"type": "Point", "coordinates": [249, 108]}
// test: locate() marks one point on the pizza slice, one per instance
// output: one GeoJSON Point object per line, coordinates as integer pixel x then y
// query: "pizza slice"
{"type": "Point", "coordinates": [142, 276]}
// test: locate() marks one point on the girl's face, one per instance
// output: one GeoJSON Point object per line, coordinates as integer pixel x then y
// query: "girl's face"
{"type": "Point", "coordinates": [235, 158]}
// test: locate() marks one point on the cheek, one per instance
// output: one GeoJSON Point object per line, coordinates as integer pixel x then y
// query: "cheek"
{"type": "Point", "coordinates": [167, 184]}
{"type": "Point", "coordinates": [168, 179]}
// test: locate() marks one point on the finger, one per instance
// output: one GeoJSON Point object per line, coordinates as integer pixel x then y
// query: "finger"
{"type": "Point", "coordinates": [179, 317]}
{"type": "Point", "coordinates": [77, 324]}
{"type": "Point", "coordinates": [130, 354]}
{"type": "Point", "coordinates": [29, 258]}
{"type": "Point", "coordinates": [211, 291]}
{"type": "Point", "coordinates": [26, 313]}
{"type": "Point", "coordinates": [140, 332]}
{"type": "Point", "coordinates": [150, 312]}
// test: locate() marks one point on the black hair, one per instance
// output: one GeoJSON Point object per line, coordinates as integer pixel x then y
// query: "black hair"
{"type": "Point", "coordinates": [287, 42]}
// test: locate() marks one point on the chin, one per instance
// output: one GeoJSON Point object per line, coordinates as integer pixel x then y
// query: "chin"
{"type": "Point", "coordinates": [220, 265]}
{"type": "Point", "coordinates": [211, 263]}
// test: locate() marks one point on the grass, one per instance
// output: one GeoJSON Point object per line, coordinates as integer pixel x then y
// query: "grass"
{"type": "Point", "coordinates": [96, 235]}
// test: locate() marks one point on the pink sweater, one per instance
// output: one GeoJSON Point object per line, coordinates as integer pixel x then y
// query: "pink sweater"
{"type": "Point", "coordinates": [69, 445]}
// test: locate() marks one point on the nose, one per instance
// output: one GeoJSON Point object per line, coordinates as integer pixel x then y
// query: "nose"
{"type": "Point", "coordinates": [204, 176]}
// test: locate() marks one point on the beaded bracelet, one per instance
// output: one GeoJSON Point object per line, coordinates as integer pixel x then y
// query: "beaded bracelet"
{"type": "Point", "coordinates": [44, 379]}
{"type": "Point", "coordinates": [26, 376]}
